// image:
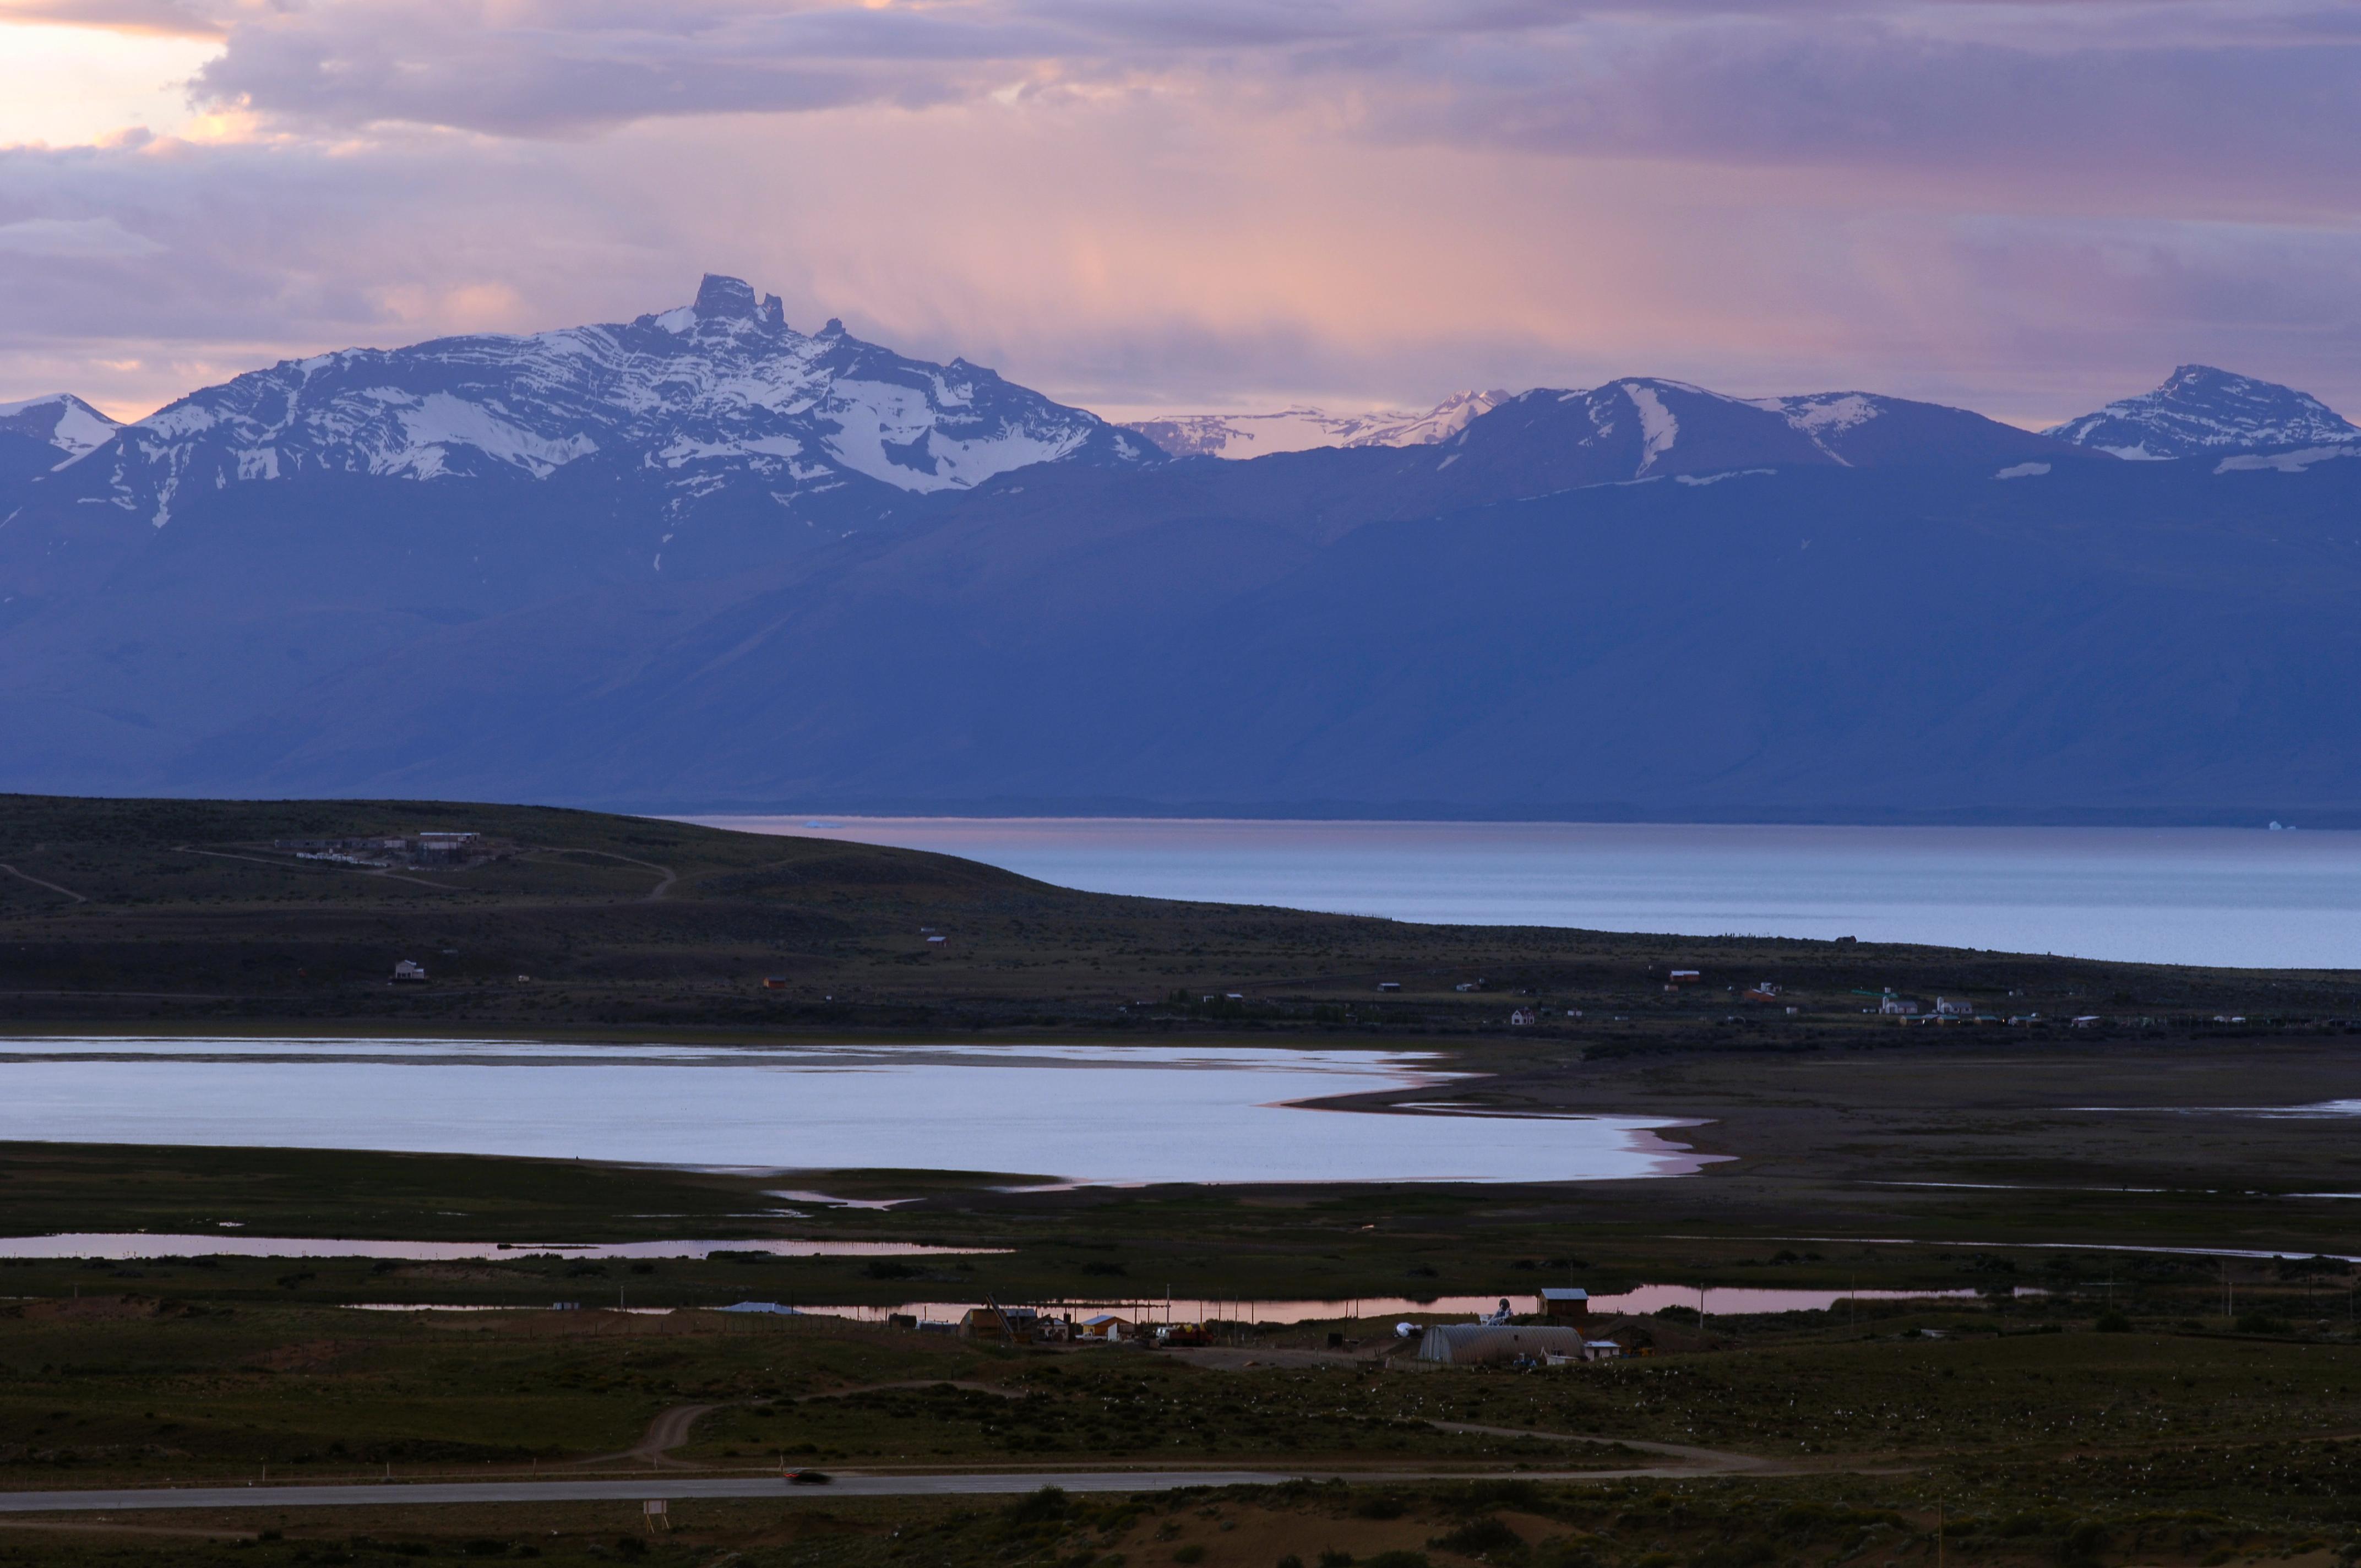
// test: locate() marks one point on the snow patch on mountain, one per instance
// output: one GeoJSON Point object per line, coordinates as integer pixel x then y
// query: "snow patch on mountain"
{"type": "Point", "coordinates": [1303, 429]}
{"type": "Point", "coordinates": [2294, 462]}
{"type": "Point", "coordinates": [2201, 411]}
{"type": "Point", "coordinates": [1658, 428]}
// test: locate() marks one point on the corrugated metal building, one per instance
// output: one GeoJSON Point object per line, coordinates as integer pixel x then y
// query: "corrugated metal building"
{"type": "Point", "coordinates": [1474, 1344]}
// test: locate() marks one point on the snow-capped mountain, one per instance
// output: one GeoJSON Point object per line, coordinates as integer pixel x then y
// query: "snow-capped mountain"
{"type": "Point", "coordinates": [2201, 412]}
{"type": "Point", "coordinates": [718, 394]}
{"type": "Point", "coordinates": [60, 421]}
{"type": "Point", "coordinates": [1303, 429]}
{"type": "Point", "coordinates": [40, 434]}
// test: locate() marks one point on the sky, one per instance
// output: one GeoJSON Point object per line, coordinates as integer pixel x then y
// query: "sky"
{"type": "Point", "coordinates": [2028, 207]}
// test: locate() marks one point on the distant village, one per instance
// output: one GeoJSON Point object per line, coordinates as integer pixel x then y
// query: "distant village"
{"type": "Point", "coordinates": [1558, 1331]}
{"type": "Point", "coordinates": [438, 851]}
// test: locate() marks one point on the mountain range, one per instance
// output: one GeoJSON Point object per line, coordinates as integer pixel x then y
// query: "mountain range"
{"type": "Point", "coordinates": [701, 560]}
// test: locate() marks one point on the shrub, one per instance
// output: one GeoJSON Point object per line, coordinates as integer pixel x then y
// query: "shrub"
{"type": "Point", "coordinates": [1192, 1553]}
{"type": "Point", "coordinates": [1479, 1536]}
{"type": "Point", "coordinates": [1736, 1554]}
{"type": "Point", "coordinates": [1384, 1506]}
{"type": "Point", "coordinates": [1037, 1508]}
{"type": "Point", "coordinates": [1399, 1559]}
{"type": "Point", "coordinates": [2082, 1545]}
{"type": "Point", "coordinates": [1565, 1552]}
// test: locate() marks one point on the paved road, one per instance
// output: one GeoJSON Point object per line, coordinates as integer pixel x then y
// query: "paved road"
{"type": "Point", "coordinates": [403, 1495]}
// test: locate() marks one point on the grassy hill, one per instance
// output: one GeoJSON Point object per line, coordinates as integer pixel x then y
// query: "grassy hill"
{"type": "Point", "coordinates": [184, 911]}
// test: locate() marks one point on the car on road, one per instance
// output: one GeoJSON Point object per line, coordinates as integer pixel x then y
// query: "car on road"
{"type": "Point", "coordinates": [809, 1477]}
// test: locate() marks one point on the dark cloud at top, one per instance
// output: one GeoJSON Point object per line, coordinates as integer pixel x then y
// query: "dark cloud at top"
{"type": "Point", "coordinates": [2244, 86]}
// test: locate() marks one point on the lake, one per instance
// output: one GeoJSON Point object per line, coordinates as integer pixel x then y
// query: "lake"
{"type": "Point", "coordinates": [2189, 896]}
{"type": "Point", "coordinates": [1054, 1112]}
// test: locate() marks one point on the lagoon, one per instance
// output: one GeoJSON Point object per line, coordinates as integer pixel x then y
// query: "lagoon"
{"type": "Point", "coordinates": [1047, 1114]}
{"type": "Point", "coordinates": [2181, 895]}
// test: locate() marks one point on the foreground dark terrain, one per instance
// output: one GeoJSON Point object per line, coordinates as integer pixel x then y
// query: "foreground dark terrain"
{"type": "Point", "coordinates": [2106, 1385]}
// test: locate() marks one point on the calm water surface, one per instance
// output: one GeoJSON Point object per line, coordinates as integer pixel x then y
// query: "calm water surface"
{"type": "Point", "coordinates": [2155, 896]}
{"type": "Point", "coordinates": [1088, 1114]}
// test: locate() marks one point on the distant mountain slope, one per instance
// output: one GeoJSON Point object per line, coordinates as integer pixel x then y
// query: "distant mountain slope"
{"type": "Point", "coordinates": [2104, 642]}
{"type": "Point", "coordinates": [1865, 430]}
{"type": "Point", "coordinates": [1302, 429]}
{"type": "Point", "coordinates": [2201, 412]}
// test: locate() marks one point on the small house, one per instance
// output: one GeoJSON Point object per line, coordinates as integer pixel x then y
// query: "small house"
{"type": "Point", "coordinates": [1761, 991]}
{"type": "Point", "coordinates": [1893, 1006]}
{"type": "Point", "coordinates": [1950, 1007]}
{"type": "Point", "coordinates": [1685, 977]}
{"type": "Point", "coordinates": [775, 982]}
{"type": "Point", "coordinates": [408, 973]}
{"type": "Point", "coordinates": [1389, 985]}
{"type": "Point", "coordinates": [938, 941]}
{"type": "Point", "coordinates": [446, 847]}
{"type": "Point", "coordinates": [1521, 1018]}
{"type": "Point", "coordinates": [1106, 1328]}
{"type": "Point", "coordinates": [1565, 1302]}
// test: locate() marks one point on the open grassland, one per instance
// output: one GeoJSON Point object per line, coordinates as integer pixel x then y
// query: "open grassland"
{"type": "Point", "coordinates": [120, 1388]}
{"type": "Point", "coordinates": [2085, 1447]}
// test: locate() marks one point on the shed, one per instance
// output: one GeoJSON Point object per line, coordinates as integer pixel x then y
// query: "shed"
{"type": "Point", "coordinates": [1565, 1301]}
{"type": "Point", "coordinates": [409, 973]}
{"type": "Point", "coordinates": [1010, 1322]}
{"type": "Point", "coordinates": [1476, 1345]}
{"type": "Point", "coordinates": [1105, 1325]}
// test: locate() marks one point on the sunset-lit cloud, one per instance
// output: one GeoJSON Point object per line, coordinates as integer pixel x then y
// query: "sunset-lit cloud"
{"type": "Point", "coordinates": [2027, 207]}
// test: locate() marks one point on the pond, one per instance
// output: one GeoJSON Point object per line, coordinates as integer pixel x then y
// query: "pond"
{"type": "Point", "coordinates": [1041, 1114]}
